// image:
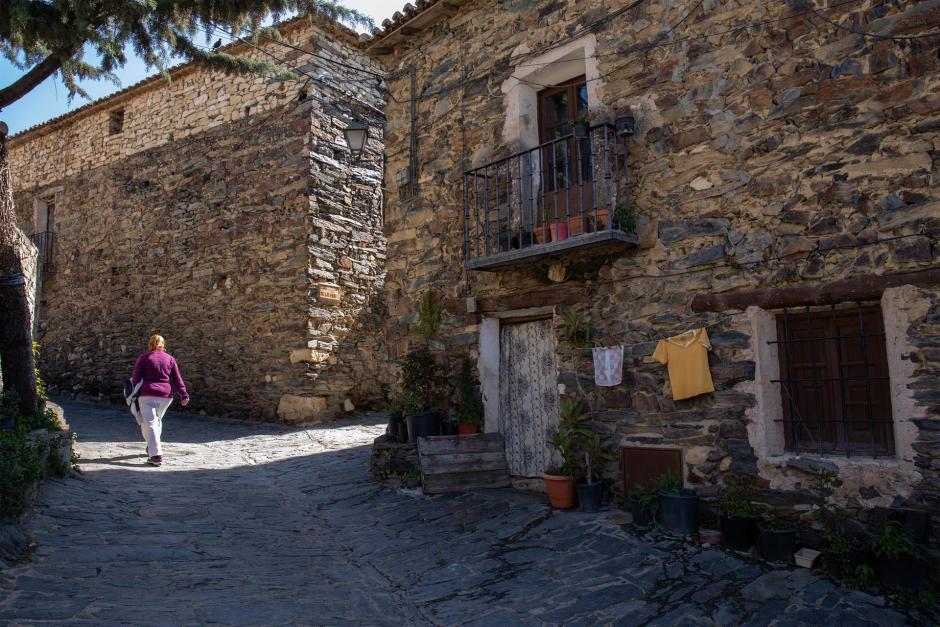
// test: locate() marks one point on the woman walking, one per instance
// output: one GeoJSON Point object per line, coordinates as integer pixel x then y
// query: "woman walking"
{"type": "Point", "coordinates": [160, 375]}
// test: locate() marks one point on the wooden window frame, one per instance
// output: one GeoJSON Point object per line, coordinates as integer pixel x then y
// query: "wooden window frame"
{"type": "Point", "coordinates": [834, 380]}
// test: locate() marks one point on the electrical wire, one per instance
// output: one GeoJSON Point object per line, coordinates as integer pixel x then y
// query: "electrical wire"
{"type": "Point", "coordinates": [310, 77]}
{"type": "Point", "coordinates": [750, 264]}
{"type": "Point", "coordinates": [874, 35]}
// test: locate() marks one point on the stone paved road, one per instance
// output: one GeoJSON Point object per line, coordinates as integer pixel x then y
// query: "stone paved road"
{"type": "Point", "coordinates": [254, 524]}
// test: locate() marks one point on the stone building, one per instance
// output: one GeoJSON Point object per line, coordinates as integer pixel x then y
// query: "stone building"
{"type": "Point", "coordinates": [765, 171]}
{"type": "Point", "coordinates": [226, 213]}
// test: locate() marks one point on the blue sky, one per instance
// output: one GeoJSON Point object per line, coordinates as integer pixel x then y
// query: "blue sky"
{"type": "Point", "coordinates": [50, 99]}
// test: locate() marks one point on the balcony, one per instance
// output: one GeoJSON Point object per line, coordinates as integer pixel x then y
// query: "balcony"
{"type": "Point", "coordinates": [568, 194]}
{"type": "Point", "coordinates": [45, 241]}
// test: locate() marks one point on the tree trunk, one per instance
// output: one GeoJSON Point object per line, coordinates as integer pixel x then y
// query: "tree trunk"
{"type": "Point", "coordinates": [16, 341]}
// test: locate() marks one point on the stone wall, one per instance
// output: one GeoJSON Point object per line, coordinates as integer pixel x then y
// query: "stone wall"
{"type": "Point", "coordinates": [772, 148]}
{"type": "Point", "coordinates": [202, 221]}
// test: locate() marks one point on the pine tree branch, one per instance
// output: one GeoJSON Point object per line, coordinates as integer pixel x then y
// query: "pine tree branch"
{"type": "Point", "coordinates": [40, 72]}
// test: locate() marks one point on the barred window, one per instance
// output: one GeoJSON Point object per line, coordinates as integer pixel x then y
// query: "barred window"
{"type": "Point", "coordinates": [834, 380]}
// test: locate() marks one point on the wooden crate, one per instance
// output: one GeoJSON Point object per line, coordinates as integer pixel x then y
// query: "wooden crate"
{"type": "Point", "coordinates": [454, 463]}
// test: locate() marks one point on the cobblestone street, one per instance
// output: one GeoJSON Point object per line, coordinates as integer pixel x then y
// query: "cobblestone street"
{"type": "Point", "coordinates": [258, 524]}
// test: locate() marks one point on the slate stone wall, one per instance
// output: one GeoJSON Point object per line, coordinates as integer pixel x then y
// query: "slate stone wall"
{"type": "Point", "coordinates": [215, 218]}
{"type": "Point", "coordinates": [772, 149]}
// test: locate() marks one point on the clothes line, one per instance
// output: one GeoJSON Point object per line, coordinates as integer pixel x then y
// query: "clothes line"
{"type": "Point", "coordinates": [721, 320]}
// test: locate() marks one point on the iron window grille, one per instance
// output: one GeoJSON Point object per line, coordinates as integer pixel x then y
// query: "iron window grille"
{"type": "Point", "coordinates": [45, 241]}
{"type": "Point", "coordinates": [834, 381]}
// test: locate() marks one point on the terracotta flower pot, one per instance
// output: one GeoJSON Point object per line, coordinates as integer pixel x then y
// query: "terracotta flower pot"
{"type": "Point", "coordinates": [576, 225]}
{"type": "Point", "coordinates": [540, 233]}
{"type": "Point", "coordinates": [465, 428]}
{"type": "Point", "coordinates": [561, 491]}
{"type": "Point", "coordinates": [596, 220]}
{"type": "Point", "coordinates": [559, 230]}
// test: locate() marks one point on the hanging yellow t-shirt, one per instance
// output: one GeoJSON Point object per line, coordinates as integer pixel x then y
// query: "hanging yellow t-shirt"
{"type": "Point", "coordinates": [686, 359]}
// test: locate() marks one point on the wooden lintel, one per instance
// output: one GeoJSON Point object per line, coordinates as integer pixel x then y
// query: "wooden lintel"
{"type": "Point", "coordinates": [547, 295]}
{"type": "Point", "coordinates": [867, 287]}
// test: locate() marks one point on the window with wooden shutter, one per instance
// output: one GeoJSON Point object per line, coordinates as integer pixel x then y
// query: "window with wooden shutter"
{"type": "Point", "coordinates": [834, 381]}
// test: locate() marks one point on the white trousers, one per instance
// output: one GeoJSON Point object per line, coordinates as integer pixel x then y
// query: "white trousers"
{"type": "Point", "coordinates": [150, 420]}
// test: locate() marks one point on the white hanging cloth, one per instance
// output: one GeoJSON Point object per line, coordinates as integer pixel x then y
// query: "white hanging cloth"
{"type": "Point", "coordinates": [608, 365]}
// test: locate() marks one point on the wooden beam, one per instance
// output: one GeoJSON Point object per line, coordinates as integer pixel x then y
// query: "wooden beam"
{"type": "Point", "coordinates": [867, 287]}
{"type": "Point", "coordinates": [547, 295]}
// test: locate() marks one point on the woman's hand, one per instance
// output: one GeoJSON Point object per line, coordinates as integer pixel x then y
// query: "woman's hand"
{"type": "Point", "coordinates": [184, 402]}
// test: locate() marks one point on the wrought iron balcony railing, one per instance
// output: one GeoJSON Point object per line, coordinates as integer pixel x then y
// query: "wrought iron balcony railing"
{"type": "Point", "coordinates": [45, 241]}
{"type": "Point", "coordinates": [569, 193]}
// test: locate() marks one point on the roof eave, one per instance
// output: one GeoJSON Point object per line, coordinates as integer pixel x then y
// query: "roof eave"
{"type": "Point", "coordinates": [402, 29]}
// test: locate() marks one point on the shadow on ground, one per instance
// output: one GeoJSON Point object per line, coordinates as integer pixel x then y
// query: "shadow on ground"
{"type": "Point", "coordinates": [287, 527]}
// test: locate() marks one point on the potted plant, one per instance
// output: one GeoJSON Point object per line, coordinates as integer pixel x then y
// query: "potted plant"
{"type": "Point", "coordinates": [644, 505]}
{"type": "Point", "coordinates": [560, 481]}
{"type": "Point", "coordinates": [597, 452]}
{"type": "Point", "coordinates": [469, 412]}
{"type": "Point", "coordinates": [738, 515]}
{"type": "Point", "coordinates": [559, 229]}
{"type": "Point", "coordinates": [898, 566]}
{"type": "Point", "coordinates": [422, 382]}
{"type": "Point", "coordinates": [777, 539]}
{"type": "Point", "coordinates": [395, 410]}
{"type": "Point", "coordinates": [625, 216]}
{"type": "Point", "coordinates": [449, 425]}
{"type": "Point", "coordinates": [843, 554]}
{"type": "Point", "coordinates": [576, 224]}
{"type": "Point", "coordinates": [678, 506]}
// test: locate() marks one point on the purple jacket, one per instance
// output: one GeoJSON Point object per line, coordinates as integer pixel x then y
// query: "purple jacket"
{"type": "Point", "coordinates": [160, 373]}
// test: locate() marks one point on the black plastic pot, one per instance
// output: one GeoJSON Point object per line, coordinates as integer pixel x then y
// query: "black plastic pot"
{"type": "Point", "coordinates": [777, 545]}
{"type": "Point", "coordinates": [905, 574]}
{"type": "Point", "coordinates": [679, 511]}
{"type": "Point", "coordinates": [642, 517]}
{"type": "Point", "coordinates": [738, 533]}
{"type": "Point", "coordinates": [422, 424]}
{"type": "Point", "coordinates": [581, 129]}
{"type": "Point", "coordinates": [395, 424]}
{"type": "Point", "coordinates": [843, 564]}
{"type": "Point", "coordinates": [448, 427]}
{"type": "Point", "coordinates": [589, 496]}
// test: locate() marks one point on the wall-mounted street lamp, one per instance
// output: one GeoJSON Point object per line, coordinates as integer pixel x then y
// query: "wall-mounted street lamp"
{"type": "Point", "coordinates": [625, 125]}
{"type": "Point", "coordinates": [356, 133]}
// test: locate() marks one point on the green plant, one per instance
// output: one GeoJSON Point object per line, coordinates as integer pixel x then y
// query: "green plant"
{"type": "Point", "coordinates": [597, 451]}
{"type": "Point", "coordinates": [430, 313]}
{"type": "Point", "coordinates": [469, 401]}
{"type": "Point", "coordinates": [861, 578]}
{"type": "Point", "coordinates": [626, 216]}
{"type": "Point", "coordinates": [736, 499]}
{"type": "Point", "coordinates": [395, 406]}
{"type": "Point", "coordinates": [649, 499]}
{"type": "Point", "coordinates": [572, 429]}
{"type": "Point", "coordinates": [24, 458]}
{"type": "Point", "coordinates": [576, 329]}
{"type": "Point", "coordinates": [895, 541]}
{"type": "Point", "coordinates": [668, 483]}
{"type": "Point", "coordinates": [422, 381]}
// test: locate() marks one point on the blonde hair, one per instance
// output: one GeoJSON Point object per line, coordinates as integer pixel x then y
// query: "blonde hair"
{"type": "Point", "coordinates": [157, 342]}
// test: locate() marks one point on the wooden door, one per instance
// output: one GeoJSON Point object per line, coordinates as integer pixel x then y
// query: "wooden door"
{"type": "Point", "coordinates": [528, 396]}
{"type": "Point", "coordinates": [567, 169]}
